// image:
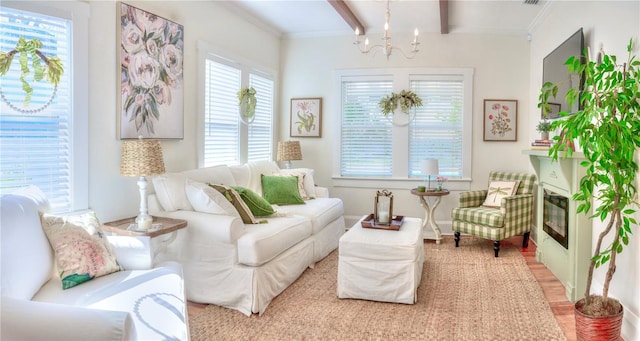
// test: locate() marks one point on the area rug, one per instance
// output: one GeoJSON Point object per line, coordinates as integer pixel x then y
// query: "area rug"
{"type": "Point", "coordinates": [465, 294]}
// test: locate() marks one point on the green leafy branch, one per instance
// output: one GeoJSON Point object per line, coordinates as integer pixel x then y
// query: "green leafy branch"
{"type": "Point", "coordinates": [51, 71]}
{"type": "Point", "coordinates": [248, 95]}
{"type": "Point", "coordinates": [406, 99]}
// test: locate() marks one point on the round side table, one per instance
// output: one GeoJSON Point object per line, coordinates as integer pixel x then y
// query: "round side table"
{"type": "Point", "coordinates": [430, 209]}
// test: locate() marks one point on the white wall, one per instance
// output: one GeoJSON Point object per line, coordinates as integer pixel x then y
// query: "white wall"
{"type": "Point", "coordinates": [611, 23]}
{"type": "Point", "coordinates": [111, 195]}
{"type": "Point", "coordinates": [501, 71]}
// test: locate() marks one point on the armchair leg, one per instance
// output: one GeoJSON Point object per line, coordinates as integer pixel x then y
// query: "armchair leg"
{"type": "Point", "coordinates": [525, 240]}
{"type": "Point", "coordinates": [456, 237]}
{"type": "Point", "coordinates": [496, 247]}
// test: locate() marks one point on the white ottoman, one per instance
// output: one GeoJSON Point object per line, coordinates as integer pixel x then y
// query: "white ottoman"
{"type": "Point", "coordinates": [381, 265]}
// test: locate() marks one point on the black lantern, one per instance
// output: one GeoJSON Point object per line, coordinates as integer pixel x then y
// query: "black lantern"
{"type": "Point", "coordinates": [383, 208]}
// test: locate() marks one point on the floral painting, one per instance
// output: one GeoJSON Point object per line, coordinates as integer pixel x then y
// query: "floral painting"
{"type": "Point", "coordinates": [306, 117]}
{"type": "Point", "coordinates": [500, 120]}
{"type": "Point", "coordinates": [151, 101]}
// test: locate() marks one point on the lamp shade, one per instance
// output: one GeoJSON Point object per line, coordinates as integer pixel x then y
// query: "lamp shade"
{"type": "Point", "coordinates": [430, 167]}
{"type": "Point", "coordinates": [141, 158]}
{"type": "Point", "coordinates": [289, 151]}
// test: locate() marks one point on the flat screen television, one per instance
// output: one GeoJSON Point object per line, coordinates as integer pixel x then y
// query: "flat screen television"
{"type": "Point", "coordinates": [555, 71]}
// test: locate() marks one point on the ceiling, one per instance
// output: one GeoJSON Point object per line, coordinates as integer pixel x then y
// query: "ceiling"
{"type": "Point", "coordinates": [303, 18]}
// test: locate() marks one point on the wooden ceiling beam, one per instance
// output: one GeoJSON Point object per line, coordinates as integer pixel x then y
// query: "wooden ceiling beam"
{"type": "Point", "coordinates": [341, 7]}
{"type": "Point", "coordinates": [444, 16]}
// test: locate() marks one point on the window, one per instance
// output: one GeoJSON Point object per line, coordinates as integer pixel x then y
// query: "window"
{"type": "Point", "coordinates": [45, 143]}
{"type": "Point", "coordinates": [372, 147]}
{"type": "Point", "coordinates": [226, 139]}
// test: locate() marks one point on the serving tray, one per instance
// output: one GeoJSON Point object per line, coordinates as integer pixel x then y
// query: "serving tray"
{"type": "Point", "coordinates": [396, 222]}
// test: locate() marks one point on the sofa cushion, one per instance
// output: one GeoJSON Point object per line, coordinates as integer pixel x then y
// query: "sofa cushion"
{"type": "Point", "coordinates": [256, 169]}
{"type": "Point", "coordinates": [241, 175]}
{"type": "Point", "coordinates": [481, 215]}
{"type": "Point", "coordinates": [215, 175]}
{"type": "Point", "coordinates": [23, 239]}
{"type": "Point", "coordinates": [281, 190]}
{"type": "Point", "coordinates": [237, 202]}
{"type": "Point", "coordinates": [257, 204]}
{"type": "Point", "coordinates": [309, 182]}
{"type": "Point", "coordinates": [205, 199]}
{"type": "Point", "coordinates": [260, 244]}
{"type": "Point", "coordinates": [320, 211]}
{"type": "Point", "coordinates": [82, 250]}
{"type": "Point", "coordinates": [154, 298]}
{"type": "Point", "coordinates": [170, 191]}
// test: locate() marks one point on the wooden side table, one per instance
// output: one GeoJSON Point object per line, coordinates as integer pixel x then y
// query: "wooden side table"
{"type": "Point", "coordinates": [430, 209]}
{"type": "Point", "coordinates": [161, 226]}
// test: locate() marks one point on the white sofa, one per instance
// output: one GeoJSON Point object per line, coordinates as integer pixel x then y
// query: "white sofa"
{"type": "Point", "coordinates": [134, 304]}
{"type": "Point", "coordinates": [244, 266]}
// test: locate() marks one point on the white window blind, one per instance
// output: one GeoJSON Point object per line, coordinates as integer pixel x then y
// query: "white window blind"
{"type": "Point", "coordinates": [366, 139]}
{"type": "Point", "coordinates": [374, 148]}
{"type": "Point", "coordinates": [437, 131]}
{"type": "Point", "coordinates": [260, 131]}
{"type": "Point", "coordinates": [221, 123]}
{"type": "Point", "coordinates": [35, 141]}
{"type": "Point", "coordinates": [227, 140]}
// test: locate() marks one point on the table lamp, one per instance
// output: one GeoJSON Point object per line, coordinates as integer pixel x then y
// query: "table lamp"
{"type": "Point", "coordinates": [142, 158]}
{"type": "Point", "coordinates": [430, 167]}
{"type": "Point", "coordinates": [288, 151]}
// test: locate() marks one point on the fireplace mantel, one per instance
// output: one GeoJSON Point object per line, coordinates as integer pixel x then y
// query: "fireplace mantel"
{"type": "Point", "coordinates": [569, 265]}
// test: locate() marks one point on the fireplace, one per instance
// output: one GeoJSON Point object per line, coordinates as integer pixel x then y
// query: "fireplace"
{"type": "Point", "coordinates": [556, 217]}
{"type": "Point", "coordinates": [563, 237]}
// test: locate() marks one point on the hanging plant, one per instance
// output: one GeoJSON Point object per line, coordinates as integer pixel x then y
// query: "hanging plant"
{"type": "Point", "coordinates": [51, 71]}
{"type": "Point", "coordinates": [406, 99]}
{"type": "Point", "coordinates": [247, 101]}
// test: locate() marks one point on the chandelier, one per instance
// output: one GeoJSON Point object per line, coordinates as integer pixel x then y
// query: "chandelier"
{"type": "Point", "coordinates": [386, 46]}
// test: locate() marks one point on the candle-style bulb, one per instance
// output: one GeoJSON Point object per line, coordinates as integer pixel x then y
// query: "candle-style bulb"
{"type": "Point", "coordinates": [357, 31]}
{"type": "Point", "coordinates": [386, 26]}
{"type": "Point", "coordinates": [415, 32]}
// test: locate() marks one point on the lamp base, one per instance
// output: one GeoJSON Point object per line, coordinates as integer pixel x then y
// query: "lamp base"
{"type": "Point", "coordinates": [287, 164]}
{"type": "Point", "coordinates": [144, 221]}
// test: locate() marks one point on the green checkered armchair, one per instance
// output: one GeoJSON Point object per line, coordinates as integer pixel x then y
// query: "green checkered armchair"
{"type": "Point", "coordinates": [514, 217]}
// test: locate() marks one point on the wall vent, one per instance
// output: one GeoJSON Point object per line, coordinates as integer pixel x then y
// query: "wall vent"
{"type": "Point", "coordinates": [530, 2]}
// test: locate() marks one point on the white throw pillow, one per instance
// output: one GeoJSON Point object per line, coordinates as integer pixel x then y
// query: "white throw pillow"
{"type": "Point", "coordinates": [170, 190]}
{"type": "Point", "coordinates": [205, 199]}
{"type": "Point", "coordinates": [498, 190]}
{"type": "Point", "coordinates": [309, 183]}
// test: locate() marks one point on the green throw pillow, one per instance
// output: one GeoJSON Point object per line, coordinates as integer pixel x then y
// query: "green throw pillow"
{"type": "Point", "coordinates": [257, 204]}
{"type": "Point", "coordinates": [281, 190]}
{"type": "Point", "coordinates": [237, 202]}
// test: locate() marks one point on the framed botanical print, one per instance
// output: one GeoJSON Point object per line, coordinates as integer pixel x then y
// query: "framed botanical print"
{"type": "Point", "coordinates": [150, 70]}
{"type": "Point", "coordinates": [306, 117]}
{"type": "Point", "coordinates": [500, 120]}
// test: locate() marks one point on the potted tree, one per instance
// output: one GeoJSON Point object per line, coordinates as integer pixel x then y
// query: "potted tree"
{"type": "Point", "coordinates": [607, 129]}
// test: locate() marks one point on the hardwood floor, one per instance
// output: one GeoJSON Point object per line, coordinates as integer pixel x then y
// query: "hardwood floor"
{"type": "Point", "coordinates": [551, 286]}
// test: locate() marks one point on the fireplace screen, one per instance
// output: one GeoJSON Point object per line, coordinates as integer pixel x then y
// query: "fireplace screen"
{"type": "Point", "coordinates": [556, 217]}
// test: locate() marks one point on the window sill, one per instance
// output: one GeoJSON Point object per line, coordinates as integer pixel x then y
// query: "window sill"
{"type": "Point", "coordinates": [397, 183]}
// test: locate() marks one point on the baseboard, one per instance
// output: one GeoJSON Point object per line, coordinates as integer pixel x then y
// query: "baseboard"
{"type": "Point", "coordinates": [630, 325]}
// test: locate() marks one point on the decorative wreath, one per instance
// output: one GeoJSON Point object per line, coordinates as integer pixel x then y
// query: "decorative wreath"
{"type": "Point", "coordinates": [51, 71]}
{"type": "Point", "coordinates": [247, 96]}
{"type": "Point", "coordinates": [406, 99]}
